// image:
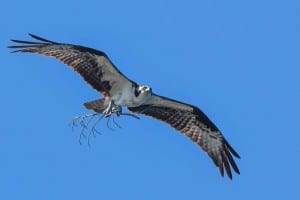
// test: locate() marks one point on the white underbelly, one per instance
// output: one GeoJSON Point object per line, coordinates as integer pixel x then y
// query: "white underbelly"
{"type": "Point", "coordinates": [122, 99]}
{"type": "Point", "coordinates": [125, 97]}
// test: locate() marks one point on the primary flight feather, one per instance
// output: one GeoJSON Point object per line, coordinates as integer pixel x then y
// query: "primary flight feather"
{"type": "Point", "coordinates": [96, 69]}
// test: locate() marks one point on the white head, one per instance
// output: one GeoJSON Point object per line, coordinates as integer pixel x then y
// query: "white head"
{"type": "Point", "coordinates": [142, 93]}
{"type": "Point", "coordinates": [144, 89]}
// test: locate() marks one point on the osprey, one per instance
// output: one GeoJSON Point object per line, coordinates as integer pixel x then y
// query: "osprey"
{"type": "Point", "coordinates": [96, 69]}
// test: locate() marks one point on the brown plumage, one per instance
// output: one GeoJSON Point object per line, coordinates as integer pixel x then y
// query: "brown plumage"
{"type": "Point", "coordinates": [192, 122]}
{"type": "Point", "coordinates": [91, 64]}
{"type": "Point", "coordinates": [96, 69]}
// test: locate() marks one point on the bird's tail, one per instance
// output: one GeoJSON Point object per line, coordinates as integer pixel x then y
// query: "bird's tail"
{"type": "Point", "coordinates": [98, 105]}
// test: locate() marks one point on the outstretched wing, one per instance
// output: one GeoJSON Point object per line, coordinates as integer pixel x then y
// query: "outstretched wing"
{"type": "Point", "coordinates": [93, 65]}
{"type": "Point", "coordinates": [192, 122]}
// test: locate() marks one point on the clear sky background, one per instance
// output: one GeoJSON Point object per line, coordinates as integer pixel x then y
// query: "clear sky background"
{"type": "Point", "coordinates": [236, 60]}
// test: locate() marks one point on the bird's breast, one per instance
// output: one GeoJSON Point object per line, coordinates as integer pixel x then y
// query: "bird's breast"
{"type": "Point", "coordinates": [126, 97]}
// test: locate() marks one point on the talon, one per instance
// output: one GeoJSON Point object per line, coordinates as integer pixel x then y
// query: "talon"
{"type": "Point", "coordinates": [89, 119]}
{"type": "Point", "coordinates": [112, 108]}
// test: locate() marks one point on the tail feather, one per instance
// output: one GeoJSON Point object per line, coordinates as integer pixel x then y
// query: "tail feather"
{"type": "Point", "coordinates": [98, 105]}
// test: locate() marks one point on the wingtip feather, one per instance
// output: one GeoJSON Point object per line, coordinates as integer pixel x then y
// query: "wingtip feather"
{"type": "Point", "coordinates": [230, 148]}
{"type": "Point", "coordinates": [41, 39]}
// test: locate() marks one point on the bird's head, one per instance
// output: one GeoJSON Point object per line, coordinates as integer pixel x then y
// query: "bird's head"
{"type": "Point", "coordinates": [144, 89]}
{"type": "Point", "coordinates": [142, 93]}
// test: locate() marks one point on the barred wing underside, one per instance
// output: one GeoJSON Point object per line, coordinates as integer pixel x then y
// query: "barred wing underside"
{"type": "Point", "coordinates": [93, 65]}
{"type": "Point", "coordinates": [193, 123]}
{"type": "Point", "coordinates": [97, 70]}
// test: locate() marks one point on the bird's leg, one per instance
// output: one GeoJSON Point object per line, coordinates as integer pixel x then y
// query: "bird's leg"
{"type": "Point", "coordinates": [116, 109]}
{"type": "Point", "coordinates": [90, 119]}
{"type": "Point", "coordinates": [108, 110]}
{"type": "Point", "coordinates": [112, 108]}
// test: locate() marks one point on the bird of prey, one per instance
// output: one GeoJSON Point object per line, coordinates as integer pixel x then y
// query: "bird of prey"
{"type": "Point", "coordinates": [97, 69]}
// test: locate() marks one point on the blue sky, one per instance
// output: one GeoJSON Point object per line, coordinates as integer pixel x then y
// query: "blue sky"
{"type": "Point", "coordinates": [236, 60]}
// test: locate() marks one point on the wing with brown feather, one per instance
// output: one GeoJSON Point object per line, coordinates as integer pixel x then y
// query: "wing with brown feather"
{"type": "Point", "coordinates": [192, 122]}
{"type": "Point", "coordinates": [93, 65]}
